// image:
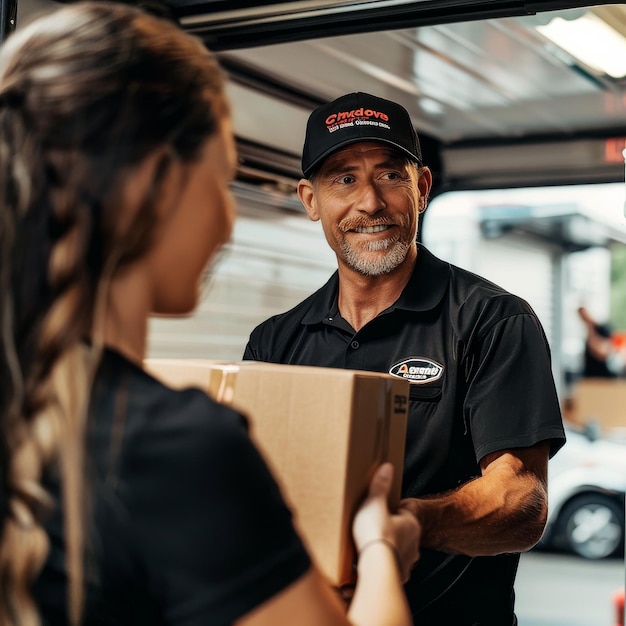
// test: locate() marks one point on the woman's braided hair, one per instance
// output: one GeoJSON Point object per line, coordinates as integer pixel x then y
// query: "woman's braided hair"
{"type": "Point", "coordinates": [86, 94]}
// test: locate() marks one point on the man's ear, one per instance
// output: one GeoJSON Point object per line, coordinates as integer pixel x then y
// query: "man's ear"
{"type": "Point", "coordinates": [424, 185]}
{"type": "Point", "coordinates": [307, 197]}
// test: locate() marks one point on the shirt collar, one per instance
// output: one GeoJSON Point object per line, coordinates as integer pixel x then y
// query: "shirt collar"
{"type": "Point", "coordinates": [427, 285]}
{"type": "Point", "coordinates": [423, 292]}
{"type": "Point", "coordinates": [324, 302]}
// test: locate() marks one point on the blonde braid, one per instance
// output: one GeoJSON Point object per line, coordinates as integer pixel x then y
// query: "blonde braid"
{"type": "Point", "coordinates": [24, 543]}
{"type": "Point", "coordinates": [64, 391]}
{"type": "Point", "coordinates": [48, 414]}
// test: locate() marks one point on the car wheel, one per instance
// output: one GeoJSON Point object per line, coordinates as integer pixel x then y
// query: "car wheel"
{"type": "Point", "coordinates": [592, 526]}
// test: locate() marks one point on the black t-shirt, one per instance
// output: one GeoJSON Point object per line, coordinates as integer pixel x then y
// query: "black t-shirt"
{"type": "Point", "coordinates": [481, 381]}
{"type": "Point", "coordinates": [188, 526]}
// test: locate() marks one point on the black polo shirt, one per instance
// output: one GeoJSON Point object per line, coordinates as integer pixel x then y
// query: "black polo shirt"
{"type": "Point", "coordinates": [481, 381]}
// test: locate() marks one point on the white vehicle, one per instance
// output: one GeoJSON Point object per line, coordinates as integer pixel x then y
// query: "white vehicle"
{"type": "Point", "coordinates": [586, 487]}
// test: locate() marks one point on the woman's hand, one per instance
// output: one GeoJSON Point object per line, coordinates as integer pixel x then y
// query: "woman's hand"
{"type": "Point", "coordinates": [375, 523]}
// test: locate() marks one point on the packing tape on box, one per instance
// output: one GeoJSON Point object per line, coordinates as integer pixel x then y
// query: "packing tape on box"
{"type": "Point", "coordinates": [225, 392]}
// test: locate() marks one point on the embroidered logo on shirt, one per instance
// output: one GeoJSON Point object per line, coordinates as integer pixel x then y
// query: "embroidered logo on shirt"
{"type": "Point", "coordinates": [417, 370]}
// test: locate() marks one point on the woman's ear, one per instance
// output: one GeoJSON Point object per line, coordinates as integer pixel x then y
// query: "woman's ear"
{"type": "Point", "coordinates": [157, 179]}
{"type": "Point", "coordinates": [307, 197]}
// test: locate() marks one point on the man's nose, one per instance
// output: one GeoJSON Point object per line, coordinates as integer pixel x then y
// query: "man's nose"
{"type": "Point", "coordinates": [371, 199]}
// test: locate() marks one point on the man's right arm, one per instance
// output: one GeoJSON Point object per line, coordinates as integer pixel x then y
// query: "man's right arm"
{"type": "Point", "coordinates": [503, 510]}
{"type": "Point", "coordinates": [252, 351]}
{"type": "Point", "coordinates": [265, 341]}
{"type": "Point", "coordinates": [248, 353]}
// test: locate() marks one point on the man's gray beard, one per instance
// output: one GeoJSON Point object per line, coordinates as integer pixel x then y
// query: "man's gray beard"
{"type": "Point", "coordinates": [358, 261]}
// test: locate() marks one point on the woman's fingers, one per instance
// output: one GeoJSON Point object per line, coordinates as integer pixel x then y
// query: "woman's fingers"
{"type": "Point", "coordinates": [381, 481]}
{"type": "Point", "coordinates": [374, 521]}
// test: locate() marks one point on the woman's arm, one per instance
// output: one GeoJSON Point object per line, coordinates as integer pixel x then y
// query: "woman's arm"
{"type": "Point", "coordinates": [389, 545]}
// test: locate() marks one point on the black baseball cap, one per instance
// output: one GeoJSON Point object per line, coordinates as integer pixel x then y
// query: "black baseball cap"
{"type": "Point", "coordinates": [357, 117]}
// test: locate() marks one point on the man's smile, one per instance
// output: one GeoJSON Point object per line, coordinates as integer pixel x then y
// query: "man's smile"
{"type": "Point", "coordinates": [372, 229]}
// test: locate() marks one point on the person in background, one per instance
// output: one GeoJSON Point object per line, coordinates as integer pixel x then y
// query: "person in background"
{"type": "Point", "coordinates": [484, 415]}
{"type": "Point", "coordinates": [602, 358]}
{"type": "Point", "coordinates": [123, 501]}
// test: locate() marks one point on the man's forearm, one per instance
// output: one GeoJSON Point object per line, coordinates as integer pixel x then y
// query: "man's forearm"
{"type": "Point", "coordinates": [504, 510]}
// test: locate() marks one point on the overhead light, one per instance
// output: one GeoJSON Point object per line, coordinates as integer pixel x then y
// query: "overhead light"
{"type": "Point", "coordinates": [590, 40]}
{"type": "Point", "coordinates": [430, 106]}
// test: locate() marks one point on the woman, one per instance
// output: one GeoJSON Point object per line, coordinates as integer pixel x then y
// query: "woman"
{"type": "Point", "coordinates": [116, 153]}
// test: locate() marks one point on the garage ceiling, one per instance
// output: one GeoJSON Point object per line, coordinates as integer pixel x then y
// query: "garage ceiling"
{"type": "Point", "coordinates": [496, 102]}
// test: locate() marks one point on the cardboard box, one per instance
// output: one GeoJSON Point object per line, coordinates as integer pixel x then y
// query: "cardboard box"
{"type": "Point", "coordinates": [322, 431]}
{"type": "Point", "coordinates": [598, 400]}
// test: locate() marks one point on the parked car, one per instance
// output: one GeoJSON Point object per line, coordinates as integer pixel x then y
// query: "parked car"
{"type": "Point", "coordinates": [586, 487]}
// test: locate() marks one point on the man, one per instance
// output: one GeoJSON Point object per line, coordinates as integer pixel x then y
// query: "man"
{"type": "Point", "coordinates": [484, 415]}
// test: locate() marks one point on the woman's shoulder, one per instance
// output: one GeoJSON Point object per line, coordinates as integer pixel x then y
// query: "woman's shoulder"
{"type": "Point", "coordinates": [186, 502]}
{"type": "Point", "coordinates": [130, 400]}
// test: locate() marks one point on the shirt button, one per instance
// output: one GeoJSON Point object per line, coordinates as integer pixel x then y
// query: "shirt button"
{"type": "Point", "coordinates": [354, 344]}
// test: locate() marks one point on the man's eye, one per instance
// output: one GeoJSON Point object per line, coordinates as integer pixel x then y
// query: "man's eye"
{"type": "Point", "coordinates": [346, 180]}
{"type": "Point", "coordinates": [392, 176]}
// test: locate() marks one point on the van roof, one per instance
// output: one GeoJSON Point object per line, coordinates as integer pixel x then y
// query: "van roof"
{"type": "Point", "coordinates": [495, 101]}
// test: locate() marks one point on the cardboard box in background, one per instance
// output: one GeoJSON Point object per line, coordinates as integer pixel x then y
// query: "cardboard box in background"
{"type": "Point", "coordinates": [322, 431]}
{"type": "Point", "coordinates": [600, 401]}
